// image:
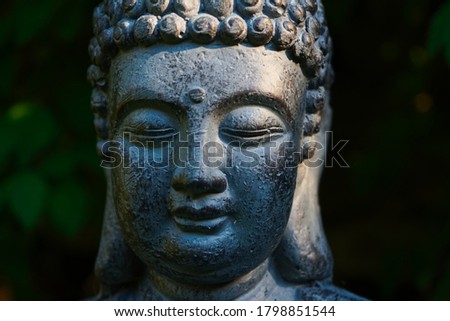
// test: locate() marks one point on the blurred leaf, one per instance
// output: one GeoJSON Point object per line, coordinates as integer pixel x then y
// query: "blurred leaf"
{"type": "Point", "coordinates": [60, 165]}
{"type": "Point", "coordinates": [86, 156]}
{"type": "Point", "coordinates": [31, 128]}
{"type": "Point", "coordinates": [2, 195]}
{"type": "Point", "coordinates": [68, 208]}
{"type": "Point", "coordinates": [8, 139]}
{"type": "Point", "coordinates": [27, 193]}
{"type": "Point", "coordinates": [439, 35]}
{"type": "Point", "coordinates": [8, 73]}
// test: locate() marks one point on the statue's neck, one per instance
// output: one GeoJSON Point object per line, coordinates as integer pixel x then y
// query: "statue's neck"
{"type": "Point", "coordinates": [173, 290]}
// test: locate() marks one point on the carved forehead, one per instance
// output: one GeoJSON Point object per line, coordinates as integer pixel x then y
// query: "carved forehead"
{"type": "Point", "coordinates": [170, 72]}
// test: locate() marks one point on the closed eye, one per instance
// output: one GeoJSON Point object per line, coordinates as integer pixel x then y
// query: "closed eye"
{"type": "Point", "coordinates": [157, 134]}
{"type": "Point", "coordinates": [257, 135]}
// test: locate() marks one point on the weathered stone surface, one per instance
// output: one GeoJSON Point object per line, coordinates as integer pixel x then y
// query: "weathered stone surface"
{"type": "Point", "coordinates": [204, 148]}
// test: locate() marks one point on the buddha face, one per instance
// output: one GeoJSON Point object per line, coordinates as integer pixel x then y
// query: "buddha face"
{"type": "Point", "coordinates": [203, 193]}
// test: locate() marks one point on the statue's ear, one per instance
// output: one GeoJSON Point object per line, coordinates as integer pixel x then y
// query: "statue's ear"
{"type": "Point", "coordinates": [303, 255]}
{"type": "Point", "coordinates": [116, 264]}
{"type": "Point", "coordinates": [315, 103]}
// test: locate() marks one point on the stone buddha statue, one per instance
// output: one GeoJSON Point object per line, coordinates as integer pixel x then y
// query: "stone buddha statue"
{"type": "Point", "coordinates": [206, 113]}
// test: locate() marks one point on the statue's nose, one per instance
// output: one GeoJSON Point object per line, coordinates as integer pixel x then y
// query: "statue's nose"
{"type": "Point", "coordinates": [199, 181]}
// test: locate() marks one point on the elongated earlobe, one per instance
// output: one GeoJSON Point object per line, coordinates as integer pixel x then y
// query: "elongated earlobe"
{"type": "Point", "coordinates": [303, 255]}
{"type": "Point", "coordinates": [116, 264]}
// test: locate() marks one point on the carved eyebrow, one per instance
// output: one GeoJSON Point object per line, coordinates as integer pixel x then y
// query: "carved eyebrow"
{"type": "Point", "coordinates": [142, 95]}
{"type": "Point", "coordinates": [140, 98]}
{"type": "Point", "coordinates": [126, 107]}
{"type": "Point", "coordinates": [258, 98]}
{"type": "Point", "coordinates": [137, 92]}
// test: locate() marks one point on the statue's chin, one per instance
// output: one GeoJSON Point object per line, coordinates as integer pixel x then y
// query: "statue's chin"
{"type": "Point", "coordinates": [204, 267]}
{"type": "Point", "coordinates": [212, 278]}
{"type": "Point", "coordinates": [167, 279]}
{"type": "Point", "coordinates": [198, 273]}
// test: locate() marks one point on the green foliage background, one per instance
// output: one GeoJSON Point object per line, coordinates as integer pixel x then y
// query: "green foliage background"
{"type": "Point", "coordinates": [387, 216]}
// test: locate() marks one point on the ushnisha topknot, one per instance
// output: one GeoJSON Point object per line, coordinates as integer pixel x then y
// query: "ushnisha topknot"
{"type": "Point", "coordinates": [122, 24]}
{"type": "Point", "coordinates": [297, 26]}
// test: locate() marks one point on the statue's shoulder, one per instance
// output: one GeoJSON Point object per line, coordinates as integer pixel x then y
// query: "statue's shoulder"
{"type": "Point", "coordinates": [325, 291]}
{"type": "Point", "coordinates": [315, 291]}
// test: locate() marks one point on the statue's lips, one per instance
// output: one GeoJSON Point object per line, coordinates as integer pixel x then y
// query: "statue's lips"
{"type": "Point", "coordinates": [205, 220]}
{"type": "Point", "coordinates": [202, 227]}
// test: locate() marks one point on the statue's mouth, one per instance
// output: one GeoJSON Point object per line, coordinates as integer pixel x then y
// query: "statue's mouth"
{"type": "Point", "coordinates": [202, 227]}
{"type": "Point", "coordinates": [206, 220]}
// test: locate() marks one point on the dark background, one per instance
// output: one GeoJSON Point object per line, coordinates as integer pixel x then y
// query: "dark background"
{"type": "Point", "coordinates": [386, 216]}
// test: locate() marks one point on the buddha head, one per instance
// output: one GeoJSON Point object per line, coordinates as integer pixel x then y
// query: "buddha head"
{"type": "Point", "coordinates": [206, 112]}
